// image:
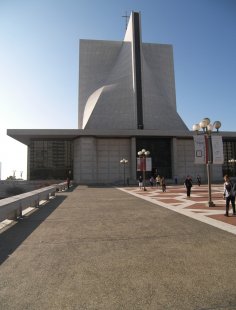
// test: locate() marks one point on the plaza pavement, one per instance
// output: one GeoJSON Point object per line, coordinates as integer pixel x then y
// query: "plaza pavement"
{"type": "Point", "coordinates": [195, 207]}
{"type": "Point", "coordinates": [108, 248]}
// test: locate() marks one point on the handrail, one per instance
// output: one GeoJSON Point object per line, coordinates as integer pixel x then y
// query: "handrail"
{"type": "Point", "coordinates": [11, 208]}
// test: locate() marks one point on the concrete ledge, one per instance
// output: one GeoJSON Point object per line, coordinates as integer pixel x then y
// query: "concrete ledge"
{"type": "Point", "coordinates": [11, 208]}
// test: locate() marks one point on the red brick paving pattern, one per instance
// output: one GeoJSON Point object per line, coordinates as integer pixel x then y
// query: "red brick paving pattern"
{"type": "Point", "coordinates": [169, 201]}
{"type": "Point", "coordinates": [204, 206]}
{"type": "Point", "coordinates": [226, 219]}
{"type": "Point", "coordinates": [176, 196]}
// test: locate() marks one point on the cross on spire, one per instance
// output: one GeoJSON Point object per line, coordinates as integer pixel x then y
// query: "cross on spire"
{"type": "Point", "coordinates": [126, 16]}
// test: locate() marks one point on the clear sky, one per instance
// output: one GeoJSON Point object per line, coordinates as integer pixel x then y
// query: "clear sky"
{"type": "Point", "coordinates": [39, 60]}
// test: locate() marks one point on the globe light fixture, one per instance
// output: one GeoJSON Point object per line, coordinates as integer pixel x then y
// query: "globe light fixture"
{"type": "Point", "coordinates": [124, 162]}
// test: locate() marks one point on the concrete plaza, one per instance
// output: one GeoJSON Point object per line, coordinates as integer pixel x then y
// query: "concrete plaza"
{"type": "Point", "coordinates": [108, 248]}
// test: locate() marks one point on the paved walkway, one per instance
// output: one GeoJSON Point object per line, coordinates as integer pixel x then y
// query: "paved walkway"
{"type": "Point", "coordinates": [103, 248]}
{"type": "Point", "coordinates": [195, 207]}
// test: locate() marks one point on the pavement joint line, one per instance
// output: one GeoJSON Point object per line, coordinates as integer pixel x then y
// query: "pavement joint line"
{"type": "Point", "coordinates": [184, 205]}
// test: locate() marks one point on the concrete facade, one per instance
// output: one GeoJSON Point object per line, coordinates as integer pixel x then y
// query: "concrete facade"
{"type": "Point", "coordinates": [108, 86]}
{"type": "Point", "coordinates": [105, 96]}
{"type": "Point", "coordinates": [98, 160]}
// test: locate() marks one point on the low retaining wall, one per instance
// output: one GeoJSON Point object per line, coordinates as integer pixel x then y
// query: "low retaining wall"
{"type": "Point", "coordinates": [11, 208]}
{"type": "Point", "coordinates": [24, 185]}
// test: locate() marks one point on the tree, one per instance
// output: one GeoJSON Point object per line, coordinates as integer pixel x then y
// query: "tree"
{"type": "Point", "coordinates": [11, 177]}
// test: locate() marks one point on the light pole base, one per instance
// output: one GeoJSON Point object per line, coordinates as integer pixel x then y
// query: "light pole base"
{"type": "Point", "coordinates": [144, 189]}
{"type": "Point", "coordinates": [211, 204]}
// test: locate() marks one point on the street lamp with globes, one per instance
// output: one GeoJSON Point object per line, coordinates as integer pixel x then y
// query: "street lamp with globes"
{"type": "Point", "coordinates": [143, 154]}
{"type": "Point", "coordinates": [207, 129]}
{"type": "Point", "coordinates": [124, 162]}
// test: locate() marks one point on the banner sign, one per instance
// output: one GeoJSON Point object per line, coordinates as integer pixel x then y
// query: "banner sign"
{"type": "Point", "coordinates": [144, 164]}
{"type": "Point", "coordinates": [217, 149]}
{"type": "Point", "coordinates": [203, 149]}
{"type": "Point", "coordinates": [200, 149]}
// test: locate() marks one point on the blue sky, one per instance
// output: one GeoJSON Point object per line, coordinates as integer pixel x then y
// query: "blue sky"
{"type": "Point", "coordinates": [39, 60]}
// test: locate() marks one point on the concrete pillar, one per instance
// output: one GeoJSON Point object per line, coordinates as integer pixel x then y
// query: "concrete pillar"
{"type": "Point", "coordinates": [133, 159]}
{"type": "Point", "coordinates": [85, 163]}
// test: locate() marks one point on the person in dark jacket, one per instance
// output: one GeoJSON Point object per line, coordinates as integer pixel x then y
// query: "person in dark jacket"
{"type": "Point", "coordinates": [140, 182]}
{"type": "Point", "coordinates": [163, 184]}
{"type": "Point", "coordinates": [188, 184]}
{"type": "Point", "coordinates": [68, 179]}
{"type": "Point", "coordinates": [229, 196]}
{"type": "Point", "coordinates": [198, 180]}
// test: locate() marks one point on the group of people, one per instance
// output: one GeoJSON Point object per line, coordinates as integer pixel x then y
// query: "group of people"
{"type": "Point", "coordinates": [229, 192]}
{"type": "Point", "coordinates": [158, 181]}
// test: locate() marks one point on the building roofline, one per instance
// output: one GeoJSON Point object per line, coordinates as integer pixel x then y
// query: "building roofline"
{"type": "Point", "coordinates": [26, 135]}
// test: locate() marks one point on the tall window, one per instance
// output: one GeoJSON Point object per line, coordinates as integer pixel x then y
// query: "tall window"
{"type": "Point", "coordinates": [229, 166]}
{"type": "Point", "coordinates": [50, 159]}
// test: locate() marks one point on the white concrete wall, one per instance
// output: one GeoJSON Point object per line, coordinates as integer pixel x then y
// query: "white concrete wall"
{"type": "Point", "coordinates": [110, 152]}
{"type": "Point", "coordinates": [106, 87]}
{"type": "Point", "coordinates": [98, 160]}
{"type": "Point", "coordinates": [106, 96]}
{"type": "Point", "coordinates": [85, 160]}
{"type": "Point", "coordinates": [96, 60]}
{"type": "Point", "coordinates": [159, 101]}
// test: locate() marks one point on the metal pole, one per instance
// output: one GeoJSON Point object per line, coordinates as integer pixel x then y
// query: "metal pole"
{"type": "Point", "coordinates": [210, 202]}
{"type": "Point", "coordinates": [124, 173]}
{"type": "Point", "coordinates": [144, 170]}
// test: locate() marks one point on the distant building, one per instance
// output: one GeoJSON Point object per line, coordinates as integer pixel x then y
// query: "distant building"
{"type": "Point", "coordinates": [127, 102]}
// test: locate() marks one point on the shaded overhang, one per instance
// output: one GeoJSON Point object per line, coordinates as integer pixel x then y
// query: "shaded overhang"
{"type": "Point", "coordinates": [26, 135]}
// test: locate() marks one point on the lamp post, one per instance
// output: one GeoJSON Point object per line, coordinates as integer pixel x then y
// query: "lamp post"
{"type": "Point", "coordinates": [124, 162]}
{"type": "Point", "coordinates": [143, 154]}
{"type": "Point", "coordinates": [207, 131]}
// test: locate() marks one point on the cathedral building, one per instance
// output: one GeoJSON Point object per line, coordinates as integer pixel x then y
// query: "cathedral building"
{"type": "Point", "coordinates": [127, 103]}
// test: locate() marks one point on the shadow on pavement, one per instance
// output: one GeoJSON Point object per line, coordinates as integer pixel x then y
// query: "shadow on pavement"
{"type": "Point", "coordinates": [12, 237]}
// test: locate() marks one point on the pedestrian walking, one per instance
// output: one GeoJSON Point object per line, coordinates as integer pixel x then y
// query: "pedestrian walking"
{"type": "Point", "coordinates": [188, 184]}
{"type": "Point", "coordinates": [198, 180]}
{"type": "Point", "coordinates": [68, 179]}
{"type": "Point", "coordinates": [140, 182]}
{"type": "Point", "coordinates": [163, 184]}
{"type": "Point", "coordinates": [229, 194]}
{"type": "Point", "coordinates": [158, 181]}
{"type": "Point", "coordinates": [151, 181]}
